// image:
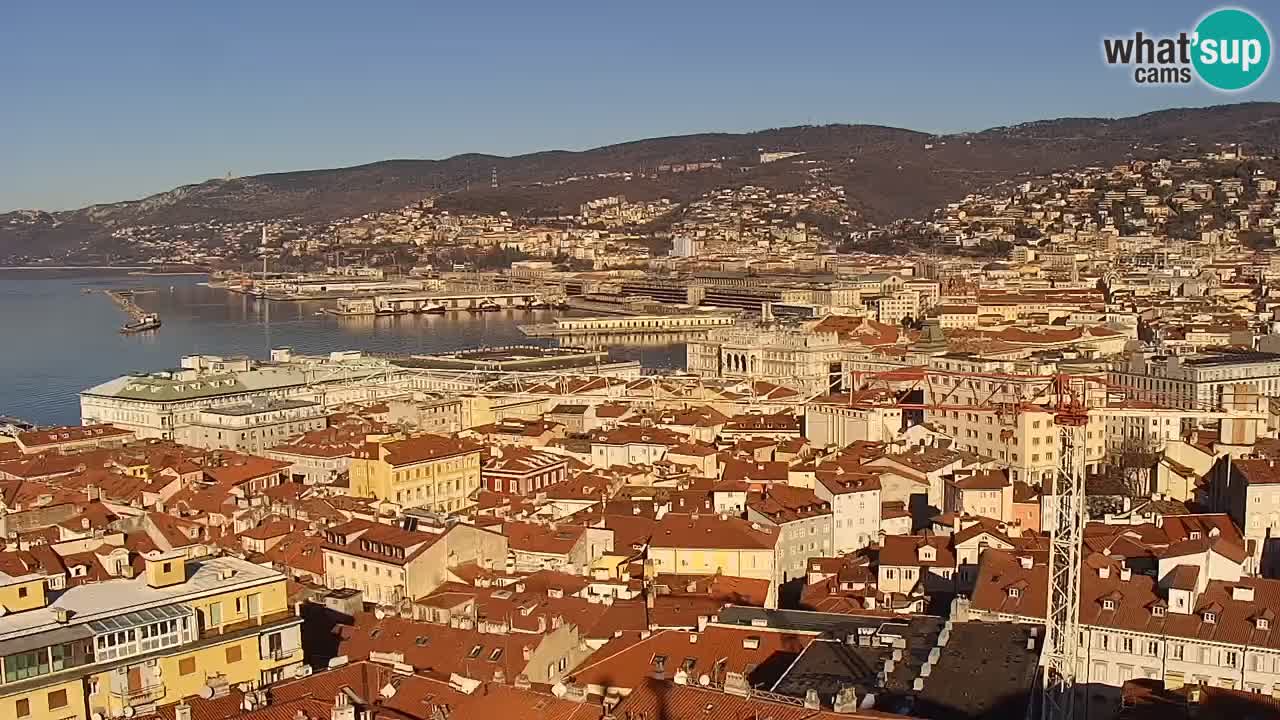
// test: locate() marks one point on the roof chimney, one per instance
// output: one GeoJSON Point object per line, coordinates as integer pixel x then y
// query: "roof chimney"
{"type": "Point", "coordinates": [342, 708]}
{"type": "Point", "coordinates": [811, 701]}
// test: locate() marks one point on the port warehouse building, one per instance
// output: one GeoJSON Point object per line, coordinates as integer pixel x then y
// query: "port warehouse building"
{"type": "Point", "coordinates": [160, 404]}
{"type": "Point", "coordinates": [169, 403]}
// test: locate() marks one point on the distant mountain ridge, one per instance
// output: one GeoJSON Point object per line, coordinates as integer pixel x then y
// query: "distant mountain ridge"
{"type": "Point", "coordinates": [887, 172]}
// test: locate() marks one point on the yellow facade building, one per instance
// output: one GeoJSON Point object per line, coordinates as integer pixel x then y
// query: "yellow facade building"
{"type": "Point", "coordinates": [391, 565]}
{"type": "Point", "coordinates": [435, 472]}
{"type": "Point", "coordinates": [120, 648]}
{"type": "Point", "coordinates": [710, 544]}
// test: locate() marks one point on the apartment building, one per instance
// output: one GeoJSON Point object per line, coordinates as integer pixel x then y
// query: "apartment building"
{"type": "Point", "coordinates": [840, 420]}
{"type": "Point", "coordinates": [251, 427]}
{"type": "Point", "coordinates": [521, 471]}
{"type": "Point", "coordinates": [633, 445]}
{"type": "Point", "coordinates": [918, 477]}
{"type": "Point", "coordinates": [318, 457]}
{"type": "Point", "coordinates": [121, 647]}
{"type": "Point", "coordinates": [855, 507]}
{"type": "Point", "coordinates": [73, 439]}
{"type": "Point", "coordinates": [435, 472]}
{"type": "Point", "coordinates": [390, 564]}
{"type": "Point", "coordinates": [1198, 381]}
{"type": "Point", "coordinates": [440, 414]}
{"type": "Point", "coordinates": [987, 493]}
{"type": "Point", "coordinates": [1016, 434]}
{"type": "Point", "coordinates": [710, 544]}
{"type": "Point", "coordinates": [1138, 430]}
{"type": "Point", "coordinates": [566, 548]}
{"type": "Point", "coordinates": [803, 521]}
{"type": "Point", "coordinates": [892, 309]}
{"type": "Point", "coordinates": [1248, 490]}
{"type": "Point", "coordinates": [1196, 619]}
{"type": "Point", "coordinates": [914, 565]}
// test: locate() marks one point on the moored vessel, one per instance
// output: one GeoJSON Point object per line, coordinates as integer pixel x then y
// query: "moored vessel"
{"type": "Point", "coordinates": [149, 321]}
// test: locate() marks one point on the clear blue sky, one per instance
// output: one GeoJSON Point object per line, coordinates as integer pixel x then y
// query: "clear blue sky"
{"type": "Point", "coordinates": [105, 101]}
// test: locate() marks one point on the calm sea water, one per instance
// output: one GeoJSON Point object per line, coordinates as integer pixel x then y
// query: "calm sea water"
{"type": "Point", "coordinates": [59, 340]}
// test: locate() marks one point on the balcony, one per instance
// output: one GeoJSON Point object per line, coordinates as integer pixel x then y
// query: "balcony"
{"type": "Point", "coordinates": [141, 695]}
{"type": "Point", "coordinates": [241, 625]}
{"type": "Point", "coordinates": [280, 654]}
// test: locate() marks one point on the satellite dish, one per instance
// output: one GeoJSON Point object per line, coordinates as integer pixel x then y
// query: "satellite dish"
{"type": "Point", "coordinates": [206, 692]}
{"type": "Point", "coordinates": [128, 711]}
{"type": "Point", "coordinates": [379, 613]}
{"type": "Point", "coordinates": [704, 680]}
{"type": "Point", "coordinates": [681, 677]}
{"type": "Point", "coordinates": [96, 716]}
{"type": "Point", "coordinates": [559, 690]}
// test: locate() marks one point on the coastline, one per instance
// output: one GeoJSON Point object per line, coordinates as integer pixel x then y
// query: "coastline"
{"type": "Point", "coordinates": [126, 269]}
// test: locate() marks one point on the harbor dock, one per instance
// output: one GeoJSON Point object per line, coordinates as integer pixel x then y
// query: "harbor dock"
{"type": "Point", "coordinates": [630, 324]}
{"type": "Point", "coordinates": [139, 320]}
{"type": "Point", "coordinates": [428, 303]}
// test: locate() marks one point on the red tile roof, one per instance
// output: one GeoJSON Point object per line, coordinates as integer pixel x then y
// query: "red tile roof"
{"type": "Point", "coordinates": [72, 433]}
{"type": "Point", "coordinates": [710, 531]}
{"type": "Point", "coordinates": [1131, 600]}
{"type": "Point", "coordinates": [625, 663]}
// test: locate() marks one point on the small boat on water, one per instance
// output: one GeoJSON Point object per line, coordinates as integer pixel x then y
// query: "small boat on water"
{"type": "Point", "coordinates": [87, 291]}
{"type": "Point", "coordinates": [434, 308]}
{"type": "Point", "coordinates": [150, 321]}
{"type": "Point", "coordinates": [486, 305]}
{"type": "Point", "coordinates": [539, 304]}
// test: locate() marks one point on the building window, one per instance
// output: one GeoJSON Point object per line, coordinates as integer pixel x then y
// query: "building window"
{"type": "Point", "coordinates": [57, 699]}
{"type": "Point", "coordinates": [186, 666]}
{"type": "Point", "coordinates": [24, 707]}
{"type": "Point", "coordinates": [213, 616]}
{"type": "Point", "coordinates": [25, 665]}
{"type": "Point", "coordinates": [233, 654]}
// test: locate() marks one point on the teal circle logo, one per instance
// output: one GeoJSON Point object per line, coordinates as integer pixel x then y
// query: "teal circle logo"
{"type": "Point", "coordinates": [1232, 49]}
